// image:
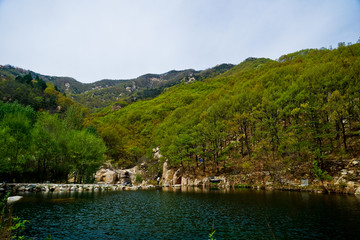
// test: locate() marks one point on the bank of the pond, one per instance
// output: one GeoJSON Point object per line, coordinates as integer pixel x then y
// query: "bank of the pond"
{"type": "Point", "coordinates": [221, 184]}
{"type": "Point", "coordinates": [52, 187]}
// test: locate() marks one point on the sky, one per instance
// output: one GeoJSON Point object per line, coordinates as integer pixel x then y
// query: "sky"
{"type": "Point", "coordinates": [91, 40]}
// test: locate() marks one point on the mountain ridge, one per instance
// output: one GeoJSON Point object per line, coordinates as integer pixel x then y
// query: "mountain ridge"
{"type": "Point", "coordinates": [103, 92]}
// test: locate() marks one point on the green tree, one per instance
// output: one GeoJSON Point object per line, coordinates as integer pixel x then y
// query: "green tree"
{"type": "Point", "coordinates": [15, 127]}
{"type": "Point", "coordinates": [86, 154]}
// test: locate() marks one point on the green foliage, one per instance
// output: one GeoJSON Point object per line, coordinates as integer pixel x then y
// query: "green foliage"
{"type": "Point", "coordinates": [268, 113]}
{"type": "Point", "coordinates": [74, 117]}
{"type": "Point", "coordinates": [3, 202]}
{"type": "Point", "coordinates": [4, 222]}
{"type": "Point", "coordinates": [28, 91]}
{"type": "Point", "coordinates": [211, 235]}
{"type": "Point", "coordinates": [85, 154]}
{"type": "Point", "coordinates": [138, 178]}
{"type": "Point", "coordinates": [260, 115]}
{"type": "Point", "coordinates": [320, 174]}
{"type": "Point", "coordinates": [10, 227]}
{"type": "Point", "coordinates": [17, 228]}
{"type": "Point", "coordinates": [106, 92]}
{"type": "Point", "coordinates": [43, 147]}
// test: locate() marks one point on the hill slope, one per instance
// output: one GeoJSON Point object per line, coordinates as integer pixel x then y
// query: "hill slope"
{"type": "Point", "coordinates": [104, 92]}
{"type": "Point", "coordinates": [298, 117]}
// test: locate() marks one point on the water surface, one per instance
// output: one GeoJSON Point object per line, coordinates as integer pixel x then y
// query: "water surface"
{"type": "Point", "coordinates": [156, 214]}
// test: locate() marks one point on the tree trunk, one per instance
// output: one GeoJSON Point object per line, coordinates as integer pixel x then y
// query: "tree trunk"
{"type": "Point", "coordinates": [344, 134]}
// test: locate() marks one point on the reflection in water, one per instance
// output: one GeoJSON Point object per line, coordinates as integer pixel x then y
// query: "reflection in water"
{"type": "Point", "coordinates": [189, 213]}
{"type": "Point", "coordinates": [197, 189]}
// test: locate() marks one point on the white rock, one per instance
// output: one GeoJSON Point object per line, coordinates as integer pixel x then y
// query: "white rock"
{"type": "Point", "coordinates": [168, 174]}
{"type": "Point", "coordinates": [350, 184]}
{"type": "Point", "coordinates": [106, 175]}
{"type": "Point", "coordinates": [14, 199]}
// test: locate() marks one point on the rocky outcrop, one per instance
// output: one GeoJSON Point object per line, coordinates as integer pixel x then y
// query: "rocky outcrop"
{"type": "Point", "coordinates": [107, 176]}
{"type": "Point", "coordinates": [178, 177]}
{"type": "Point", "coordinates": [346, 180]}
{"type": "Point", "coordinates": [117, 176]}
{"type": "Point", "coordinates": [157, 154]}
{"type": "Point", "coordinates": [168, 174]}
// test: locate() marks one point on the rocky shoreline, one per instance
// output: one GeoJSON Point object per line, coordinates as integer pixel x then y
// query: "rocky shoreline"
{"type": "Point", "coordinates": [52, 187]}
{"type": "Point", "coordinates": [102, 187]}
{"type": "Point", "coordinates": [347, 181]}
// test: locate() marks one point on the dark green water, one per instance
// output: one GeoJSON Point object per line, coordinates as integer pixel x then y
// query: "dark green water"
{"type": "Point", "coordinates": [244, 214]}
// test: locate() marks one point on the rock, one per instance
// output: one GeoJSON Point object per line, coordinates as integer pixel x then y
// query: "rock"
{"type": "Point", "coordinates": [205, 181]}
{"type": "Point", "coordinates": [350, 184]}
{"type": "Point", "coordinates": [157, 154]}
{"type": "Point", "coordinates": [177, 177]}
{"type": "Point", "coordinates": [355, 163]}
{"type": "Point", "coordinates": [339, 180]}
{"type": "Point", "coordinates": [106, 175]}
{"type": "Point", "coordinates": [132, 172]}
{"type": "Point", "coordinates": [168, 174]}
{"type": "Point", "coordinates": [304, 182]}
{"type": "Point", "coordinates": [14, 199]}
{"type": "Point", "coordinates": [197, 182]}
{"type": "Point", "coordinates": [185, 181]}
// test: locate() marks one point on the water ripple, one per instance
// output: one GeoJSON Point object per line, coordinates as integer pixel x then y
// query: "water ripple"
{"type": "Point", "coordinates": [189, 215]}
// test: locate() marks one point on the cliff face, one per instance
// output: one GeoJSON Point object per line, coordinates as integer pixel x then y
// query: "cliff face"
{"type": "Point", "coordinates": [117, 176]}
{"type": "Point", "coordinates": [346, 180]}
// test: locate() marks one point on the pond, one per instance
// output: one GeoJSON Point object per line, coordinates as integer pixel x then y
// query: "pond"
{"type": "Point", "coordinates": [190, 214]}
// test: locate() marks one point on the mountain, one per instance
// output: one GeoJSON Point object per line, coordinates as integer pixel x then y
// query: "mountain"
{"type": "Point", "coordinates": [261, 121]}
{"type": "Point", "coordinates": [104, 92]}
{"type": "Point", "coordinates": [62, 83]}
{"type": "Point", "coordinates": [144, 87]}
{"type": "Point", "coordinates": [294, 118]}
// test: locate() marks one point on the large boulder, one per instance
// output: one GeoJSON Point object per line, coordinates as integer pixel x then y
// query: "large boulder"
{"type": "Point", "coordinates": [167, 175]}
{"type": "Point", "coordinates": [177, 177]}
{"type": "Point", "coordinates": [106, 176]}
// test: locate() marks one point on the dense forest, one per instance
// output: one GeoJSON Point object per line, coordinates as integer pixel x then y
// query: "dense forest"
{"type": "Point", "coordinates": [42, 134]}
{"type": "Point", "coordinates": [296, 115]}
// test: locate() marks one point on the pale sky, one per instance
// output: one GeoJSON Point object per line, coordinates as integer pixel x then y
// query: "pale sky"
{"type": "Point", "coordinates": [91, 40]}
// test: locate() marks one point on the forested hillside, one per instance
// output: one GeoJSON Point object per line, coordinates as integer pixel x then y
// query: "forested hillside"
{"type": "Point", "coordinates": [144, 87]}
{"type": "Point", "coordinates": [297, 115]}
{"type": "Point", "coordinates": [105, 92]}
{"type": "Point", "coordinates": [42, 137]}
